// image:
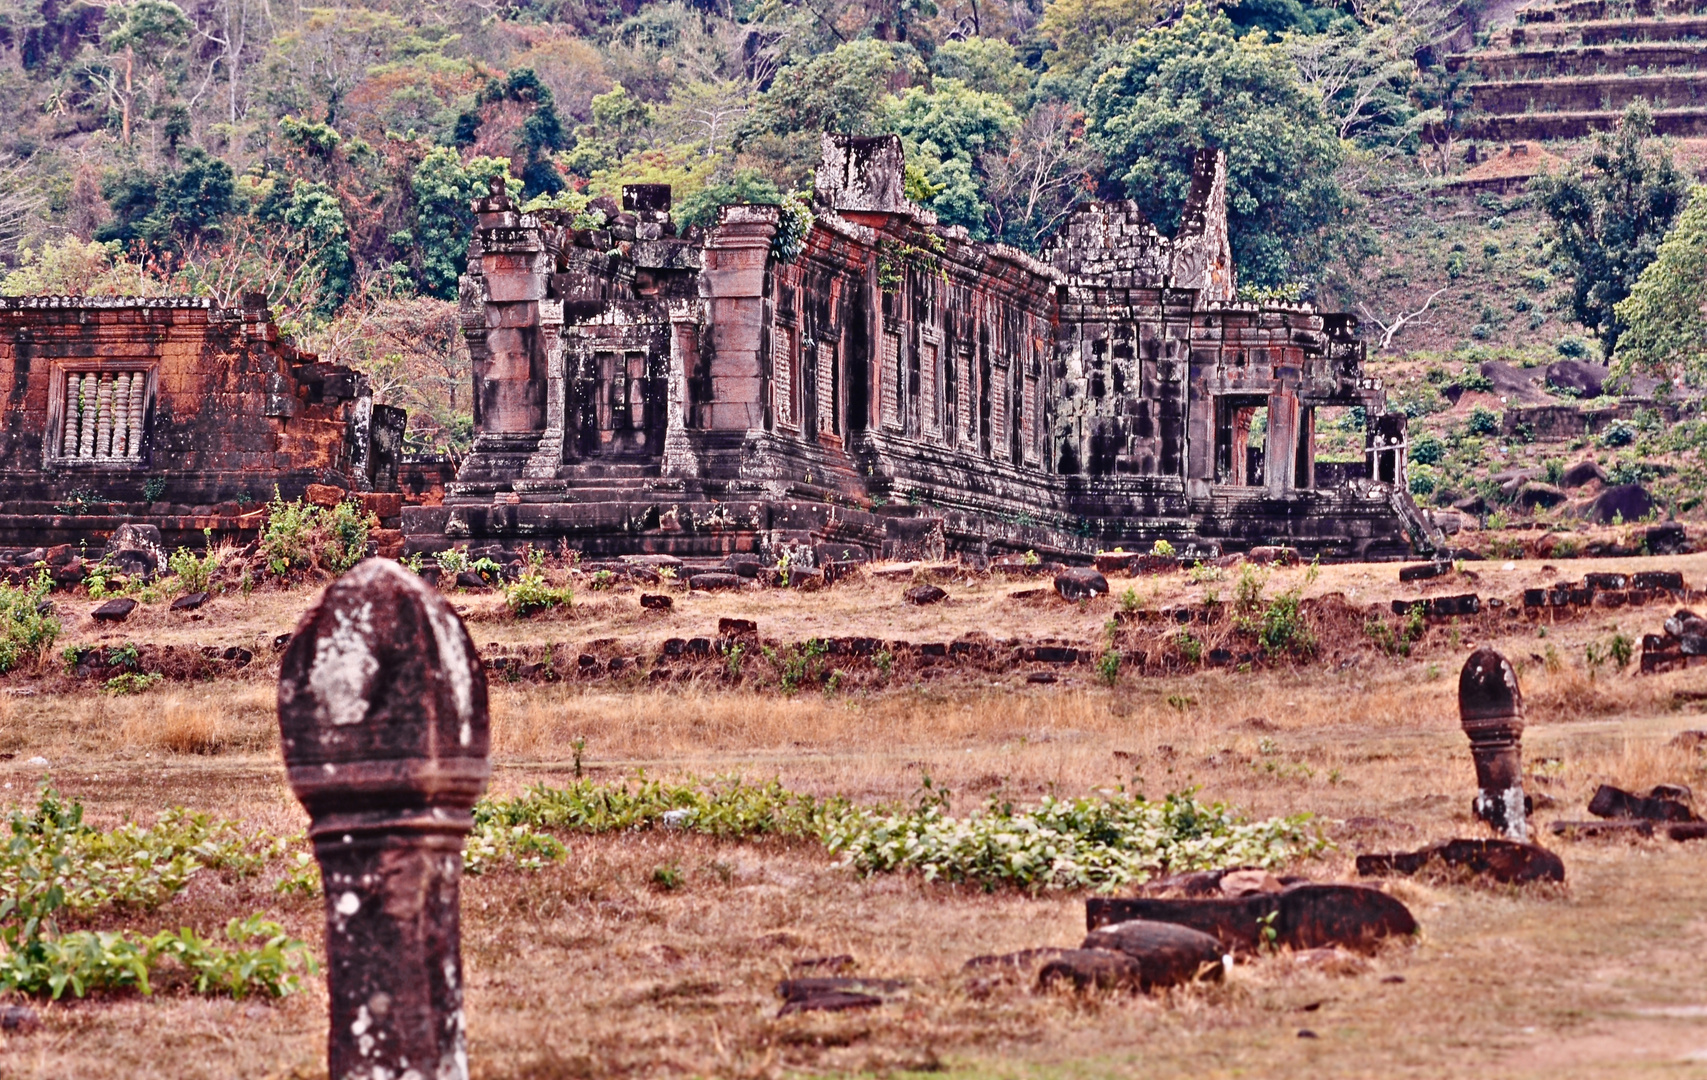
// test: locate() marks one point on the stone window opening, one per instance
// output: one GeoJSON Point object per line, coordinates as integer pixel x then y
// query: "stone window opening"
{"type": "Point", "coordinates": [100, 416]}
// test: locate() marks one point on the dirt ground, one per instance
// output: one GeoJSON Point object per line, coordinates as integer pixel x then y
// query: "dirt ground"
{"type": "Point", "coordinates": [589, 969]}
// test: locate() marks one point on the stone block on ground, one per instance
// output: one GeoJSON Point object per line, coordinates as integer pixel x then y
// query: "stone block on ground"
{"type": "Point", "coordinates": [1622, 502]}
{"type": "Point", "coordinates": [1080, 583]}
{"type": "Point", "coordinates": [189, 601]}
{"type": "Point", "coordinates": [1665, 802]}
{"type": "Point", "coordinates": [656, 602]}
{"type": "Point", "coordinates": [1536, 495]}
{"type": "Point", "coordinates": [1423, 571]}
{"type": "Point", "coordinates": [1167, 953]}
{"type": "Point", "coordinates": [712, 582]}
{"type": "Point", "coordinates": [1092, 969]}
{"type": "Point", "coordinates": [1583, 472]}
{"type": "Point", "coordinates": [921, 595]}
{"type": "Point", "coordinates": [115, 610]}
{"type": "Point", "coordinates": [833, 994]}
{"type": "Point", "coordinates": [1505, 861]}
{"type": "Point", "coordinates": [1308, 916]}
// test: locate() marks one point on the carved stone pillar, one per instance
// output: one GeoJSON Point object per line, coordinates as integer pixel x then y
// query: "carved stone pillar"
{"type": "Point", "coordinates": [383, 723]}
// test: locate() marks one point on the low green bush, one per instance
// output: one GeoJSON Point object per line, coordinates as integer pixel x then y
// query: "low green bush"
{"type": "Point", "coordinates": [27, 626]}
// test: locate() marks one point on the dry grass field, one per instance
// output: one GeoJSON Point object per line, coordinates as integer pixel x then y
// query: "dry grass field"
{"type": "Point", "coordinates": [591, 968]}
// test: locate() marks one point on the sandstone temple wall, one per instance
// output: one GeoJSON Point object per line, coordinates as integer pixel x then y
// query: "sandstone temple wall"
{"type": "Point", "coordinates": [878, 377]}
{"type": "Point", "coordinates": [171, 411]}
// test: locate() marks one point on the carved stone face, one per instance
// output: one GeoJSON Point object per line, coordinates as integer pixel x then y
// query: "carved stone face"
{"type": "Point", "coordinates": [495, 186]}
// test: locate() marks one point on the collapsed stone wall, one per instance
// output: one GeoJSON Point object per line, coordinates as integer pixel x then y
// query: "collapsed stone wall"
{"type": "Point", "coordinates": [174, 412]}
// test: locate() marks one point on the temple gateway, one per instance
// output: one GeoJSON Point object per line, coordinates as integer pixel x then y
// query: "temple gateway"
{"type": "Point", "coordinates": [865, 382]}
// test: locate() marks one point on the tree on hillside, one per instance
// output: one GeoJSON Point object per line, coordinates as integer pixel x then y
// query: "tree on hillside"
{"type": "Point", "coordinates": [1198, 84]}
{"type": "Point", "coordinates": [1609, 216]}
{"type": "Point", "coordinates": [843, 91]}
{"type": "Point", "coordinates": [444, 189]}
{"type": "Point", "coordinates": [138, 43]}
{"type": "Point", "coordinates": [1079, 30]}
{"type": "Point", "coordinates": [946, 132]}
{"type": "Point", "coordinates": [1043, 173]}
{"type": "Point", "coordinates": [1665, 316]}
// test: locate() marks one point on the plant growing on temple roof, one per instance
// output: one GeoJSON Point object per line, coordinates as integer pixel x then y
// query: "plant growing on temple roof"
{"type": "Point", "coordinates": [794, 225]}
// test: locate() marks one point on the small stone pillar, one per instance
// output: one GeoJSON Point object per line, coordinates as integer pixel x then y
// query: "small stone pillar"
{"type": "Point", "coordinates": [382, 713]}
{"type": "Point", "coordinates": [1490, 707]}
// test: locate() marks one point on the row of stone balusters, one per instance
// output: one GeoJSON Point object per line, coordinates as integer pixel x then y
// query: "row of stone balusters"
{"type": "Point", "coordinates": [103, 414]}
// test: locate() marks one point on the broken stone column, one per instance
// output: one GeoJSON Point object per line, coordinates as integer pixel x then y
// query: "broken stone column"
{"type": "Point", "coordinates": [382, 713]}
{"type": "Point", "coordinates": [1490, 708]}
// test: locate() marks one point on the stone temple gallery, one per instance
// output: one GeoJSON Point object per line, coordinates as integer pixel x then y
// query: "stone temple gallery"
{"type": "Point", "coordinates": [857, 382]}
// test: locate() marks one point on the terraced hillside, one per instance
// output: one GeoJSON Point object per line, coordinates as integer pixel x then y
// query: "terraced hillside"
{"type": "Point", "coordinates": [1566, 70]}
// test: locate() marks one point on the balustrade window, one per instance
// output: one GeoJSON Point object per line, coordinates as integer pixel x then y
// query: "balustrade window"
{"type": "Point", "coordinates": [103, 415]}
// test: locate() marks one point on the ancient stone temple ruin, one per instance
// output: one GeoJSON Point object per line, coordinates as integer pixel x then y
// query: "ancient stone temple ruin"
{"type": "Point", "coordinates": [171, 412]}
{"type": "Point", "coordinates": [863, 381]}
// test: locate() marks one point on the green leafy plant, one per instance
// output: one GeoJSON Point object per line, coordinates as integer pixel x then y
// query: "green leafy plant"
{"type": "Point", "coordinates": [27, 624]}
{"type": "Point", "coordinates": [1094, 842]}
{"type": "Point", "coordinates": [194, 572]}
{"type": "Point", "coordinates": [132, 682]}
{"type": "Point", "coordinates": [800, 664]}
{"type": "Point", "coordinates": [1108, 667]}
{"type": "Point", "coordinates": [1162, 548]}
{"type": "Point", "coordinates": [531, 594]}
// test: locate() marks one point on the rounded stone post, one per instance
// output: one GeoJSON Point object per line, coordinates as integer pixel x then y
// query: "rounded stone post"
{"type": "Point", "coordinates": [1490, 708]}
{"type": "Point", "coordinates": [382, 713]}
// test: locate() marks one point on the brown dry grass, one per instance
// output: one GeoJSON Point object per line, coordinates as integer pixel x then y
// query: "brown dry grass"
{"type": "Point", "coordinates": [591, 970]}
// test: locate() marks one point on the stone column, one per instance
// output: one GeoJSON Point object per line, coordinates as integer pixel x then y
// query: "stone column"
{"type": "Point", "coordinates": [549, 457]}
{"type": "Point", "coordinates": [1280, 452]}
{"type": "Point", "coordinates": [1490, 707]}
{"type": "Point", "coordinates": [382, 713]}
{"type": "Point", "coordinates": [679, 456]}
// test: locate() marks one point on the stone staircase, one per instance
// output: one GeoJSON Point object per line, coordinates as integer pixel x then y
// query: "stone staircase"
{"type": "Point", "coordinates": [1567, 70]}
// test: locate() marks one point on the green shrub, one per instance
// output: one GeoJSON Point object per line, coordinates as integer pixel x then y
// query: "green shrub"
{"type": "Point", "coordinates": [1427, 449]}
{"type": "Point", "coordinates": [1162, 548]}
{"type": "Point", "coordinates": [299, 536]}
{"type": "Point", "coordinates": [25, 628]}
{"type": "Point", "coordinates": [1618, 433]}
{"type": "Point", "coordinates": [345, 528]}
{"type": "Point", "coordinates": [531, 593]}
{"type": "Point", "coordinates": [131, 682]}
{"type": "Point", "coordinates": [1108, 667]}
{"type": "Point", "coordinates": [1092, 842]}
{"type": "Point", "coordinates": [287, 539]}
{"type": "Point", "coordinates": [1483, 421]}
{"type": "Point", "coordinates": [1284, 630]}
{"type": "Point", "coordinates": [195, 572]}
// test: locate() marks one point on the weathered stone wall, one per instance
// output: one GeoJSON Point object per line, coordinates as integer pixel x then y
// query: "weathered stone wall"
{"type": "Point", "coordinates": [713, 394]}
{"type": "Point", "coordinates": [171, 409]}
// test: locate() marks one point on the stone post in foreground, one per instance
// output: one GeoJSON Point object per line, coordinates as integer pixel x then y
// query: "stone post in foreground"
{"type": "Point", "coordinates": [382, 713]}
{"type": "Point", "coordinates": [1490, 707]}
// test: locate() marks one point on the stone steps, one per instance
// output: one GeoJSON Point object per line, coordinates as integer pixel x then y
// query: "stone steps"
{"type": "Point", "coordinates": [1542, 127]}
{"type": "Point", "coordinates": [1589, 94]}
{"type": "Point", "coordinates": [1632, 59]}
{"type": "Point", "coordinates": [1610, 31]}
{"type": "Point", "coordinates": [1577, 11]}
